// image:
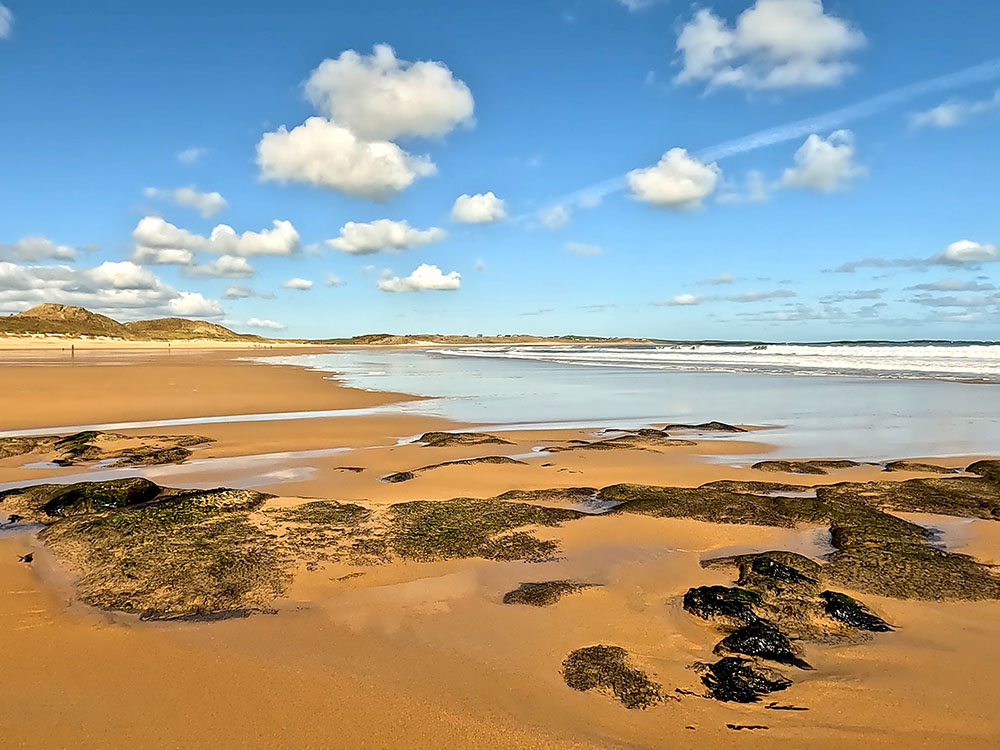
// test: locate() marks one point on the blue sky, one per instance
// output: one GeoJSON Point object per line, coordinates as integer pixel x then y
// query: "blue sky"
{"type": "Point", "coordinates": [584, 133]}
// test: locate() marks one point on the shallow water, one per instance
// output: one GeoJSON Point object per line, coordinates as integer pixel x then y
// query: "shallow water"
{"type": "Point", "coordinates": [830, 416]}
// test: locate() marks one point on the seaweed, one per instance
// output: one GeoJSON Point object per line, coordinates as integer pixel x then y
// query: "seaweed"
{"type": "Point", "coordinates": [461, 439]}
{"type": "Point", "coordinates": [544, 593]}
{"type": "Point", "coordinates": [852, 612]}
{"type": "Point", "coordinates": [763, 640]}
{"type": "Point", "coordinates": [804, 467]}
{"type": "Point", "coordinates": [607, 669]}
{"type": "Point", "coordinates": [727, 606]}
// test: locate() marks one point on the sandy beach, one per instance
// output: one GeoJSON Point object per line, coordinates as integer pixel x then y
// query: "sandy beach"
{"type": "Point", "coordinates": [421, 651]}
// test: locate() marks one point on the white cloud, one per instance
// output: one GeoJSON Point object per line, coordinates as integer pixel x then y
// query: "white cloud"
{"type": "Point", "coordinates": [825, 165]}
{"type": "Point", "coordinates": [223, 267]}
{"type": "Point", "coordinates": [6, 21]}
{"type": "Point", "coordinates": [120, 289]}
{"type": "Point", "coordinates": [554, 217]}
{"type": "Point", "coordinates": [157, 241]}
{"type": "Point", "coordinates": [722, 278]}
{"type": "Point", "coordinates": [301, 284]}
{"type": "Point", "coordinates": [383, 234]}
{"type": "Point", "coordinates": [952, 113]}
{"type": "Point", "coordinates": [380, 97]}
{"type": "Point", "coordinates": [193, 305]}
{"type": "Point", "coordinates": [684, 300]}
{"type": "Point", "coordinates": [590, 200]}
{"type": "Point", "coordinates": [761, 296]}
{"type": "Point", "coordinates": [264, 323]}
{"type": "Point", "coordinates": [424, 278]}
{"type": "Point", "coordinates": [963, 253]}
{"type": "Point", "coordinates": [580, 248]}
{"type": "Point", "coordinates": [635, 6]}
{"type": "Point", "coordinates": [333, 281]}
{"type": "Point", "coordinates": [677, 182]}
{"type": "Point", "coordinates": [773, 44]}
{"type": "Point", "coordinates": [31, 249]}
{"type": "Point", "coordinates": [240, 291]}
{"type": "Point", "coordinates": [324, 154]}
{"type": "Point", "coordinates": [955, 285]}
{"type": "Point", "coordinates": [207, 204]}
{"type": "Point", "coordinates": [481, 208]}
{"type": "Point", "coordinates": [191, 155]}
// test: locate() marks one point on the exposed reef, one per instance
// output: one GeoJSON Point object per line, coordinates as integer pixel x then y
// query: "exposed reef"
{"type": "Point", "coordinates": [406, 476]}
{"type": "Point", "coordinates": [459, 439]}
{"type": "Point", "coordinates": [804, 467]}
{"type": "Point", "coordinates": [93, 446]}
{"type": "Point", "coordinates": [640, 440]}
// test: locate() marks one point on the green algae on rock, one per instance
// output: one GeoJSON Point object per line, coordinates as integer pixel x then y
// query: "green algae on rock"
{"type": "Point", "coordinates": [93, 445]}
{"type": "Point", "coordinates": [917, 466]}
{"type": "Point", "coordinates": [852, 612]}
{"type": "Point", "coordinates": [544, 593]}
{"type": "Point", "coordinates": [737, 680]}
{"type": "Point", "coordinates": [44, 503]}
{"type": "Point", "coordinates": [804, 467]}
{"type": "Point", "coordinates": [607, 670]}
{"type": "Point", "coordinates": [406, 476]}
{"type": "Point", "coordinates": [459, 439]}
{"type": "Point", "coordinates": [989, 468]}
{"type": "Point", "coordinates": [729, 607]}
{"type": "Point", "coordinates": [762, 640]}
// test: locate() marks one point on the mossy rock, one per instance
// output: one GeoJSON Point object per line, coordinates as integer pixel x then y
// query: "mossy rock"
{"type": "Point", "coordinates": [44, 502]}
{"type": "Point", "coordinates": [607, 669]}
{"type": "Point", "coordinates": [730, 607]}
{"type": "Point", "coordinates": [762, 640]}
{"type": "Point", "coordinates": [323, 512]}
{"type": "Point", "coordinates": [737, 680]}
{"type": "Point", "coordinates": [450, 439]}
{"type": "Point", "coordinates": [917, 466]}
{"type": "Point", "coordinates": [705, 427]}
{"type": "Point", "coordinates": [967, 497]}
{"type": "Point", "coordinates": [544, 593]}
{"type": "Point", "coordinates": [804, 467]}
{"type": "Point", "coordinates": [852, 612]}
{"type": "Point", "coordinates": [989, 469]}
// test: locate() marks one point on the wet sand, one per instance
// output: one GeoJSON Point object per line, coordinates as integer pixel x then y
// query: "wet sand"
{"type": "Point", "coordinates": [423, 654]}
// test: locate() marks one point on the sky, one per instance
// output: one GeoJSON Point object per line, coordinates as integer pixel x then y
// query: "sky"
{"type": "Point", "coordinates": [784, 170]}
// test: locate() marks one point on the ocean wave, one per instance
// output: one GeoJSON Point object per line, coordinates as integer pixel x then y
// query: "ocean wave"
{"type": "Point", "coordinates": [940, 361]}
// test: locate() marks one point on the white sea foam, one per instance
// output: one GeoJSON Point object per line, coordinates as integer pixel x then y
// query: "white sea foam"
{"type": "Point", "coordinates": [941, 361]}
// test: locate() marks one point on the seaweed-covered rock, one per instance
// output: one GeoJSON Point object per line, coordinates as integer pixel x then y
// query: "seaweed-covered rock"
{"type": "Point", "coordinates": [607, 669]}
{"type": "Point", "coordinates": [642, 440]}
{"type": "Point", "coordinates": [399, 476]}
{"type": "Point", "coordinates": [989, 469]}
{"type": "Point", "coordinates": [543, 593]}
{"type": "Point", "coordinates": [852, 612]}
{"type": "Point", "coordinates": [763, 640]}
{"type": "Point", "coordinates": [768, 567]}
{"type": "Point", "coordinates": [732, 607]}
{"type": "Point", "coordinates": [713, 426]}
{"type": "Point", "coordinates": [405, 476]}
{"type": "Point", "coordinates": [93, 445]}
{"type": "Point", "coordinates": [44, 502]}
{"type": "Point", "coordinates": [917, 466]}
{"type": "Point", "coordinates": [968, 497]}
{"type": "Point", "coordinates": [450, 439]}
{"type": "Point", "coordinates": [804, 467]}
{"type": "Point", "coordinates": [737, 680]}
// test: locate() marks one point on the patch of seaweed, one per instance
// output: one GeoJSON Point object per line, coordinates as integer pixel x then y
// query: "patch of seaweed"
{"type": "Point", "coordinates": [917, 466]}
{"type": "Point", "coordinates": [737, 680]}
{"type": "Point", "coordinates": [406, 476]}
{"type": "Point", "coordinates": [607, 670]}
{"type": "Point", "coordinates": [459, 439]}
{"type": "Point", "coordinates": [544, 593]}
{"type": "Point", "coordinates": [93, 445]}
{"type": "Point", "coordinates": [804, 467]}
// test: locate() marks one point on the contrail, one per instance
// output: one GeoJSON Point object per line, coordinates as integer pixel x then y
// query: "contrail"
{"type": "Point", "coordinates": [986, 71]}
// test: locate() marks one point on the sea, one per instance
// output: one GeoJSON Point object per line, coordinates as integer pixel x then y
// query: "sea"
{"type": "Point", "coordinates": [859, 400]}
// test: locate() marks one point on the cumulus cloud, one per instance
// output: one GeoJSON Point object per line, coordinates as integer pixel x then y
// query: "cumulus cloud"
{"type": "Point", "coordinates": [324, 154]}
{"type": "Point", "coordinates": [955, 112]}
{"type": "Point", "coordinates": [6, 21]}
{"type": "Point", "coordinates": [761, 296]}
{"type": "Point", "coordinates": [301, 285]}
{"type": "Point", "coordinates": [685, 300]}
{"type": "Point", "coordinates": [424, 278]}
{"type": "Point", "coordinates": [824, 165]}
{"type": "Point", "coordinates": [481, 208]}
{"type": "Point", "coordinates": [774, 44]}
{"type": "Point", "coordinates": [380, 97]}
{"type": "Point", "coordinates": [191, 155]}
{"type": "Point", "coordinates": [193, 305]}
{"type": "Point", "coordinates": [207, 204]}
{"type": "Point", "coordinates": [157, 241]}
{"type": "Point", "coordinates": [264, 323]}
{"type": "Point", "coordinates": [32, 249]}
{"type": "Point", "coordinates": [120, 289]}
{"type": "Point", "coordinates": [960, 254]}
{"type": "Point", "coordinates": [554, 217]}
{"type": "Point", "coordinates": [223, 267]}
{"type": "Point", "coordinates": [384, 234]}
{"type": "Point", "coordinates": [581, 248]}
{"type": "Point", "coordinates": [677, 182]}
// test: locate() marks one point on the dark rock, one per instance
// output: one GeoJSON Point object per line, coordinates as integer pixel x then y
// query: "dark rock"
{"type": "Point", "coordinates": [804, 467]}
{"type": "Point", "coordinates": [606, 668]}
{"type": "Point", "coordinates": [852, 612]}
{"type": "Point", "coordinates": [737, 680]}
{"type": "Point", "coordinates": [399, 476]}
{"type": "Point", "coordinates": [95, 497]}
{"type": "Point", "coordinates": [763, 640]}
{"type": "Point", "coordinates": [705, 427]}
{"type": "Point", "coordinates": [764, 565]}
{"type": "Point", "coordinates": [449, 439]}
{"type": "Point", "coordinates": [28, 558]}
{"type": "Point", "coordinates": [917, 466]}
{"type": "Point", "coordinates": [730, 606]}
{"type": "Point", "coordinates": [988, 469]}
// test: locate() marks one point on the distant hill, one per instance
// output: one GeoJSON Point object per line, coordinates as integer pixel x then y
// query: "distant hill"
{"type": "Point", "coordinates": [68, 320]}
